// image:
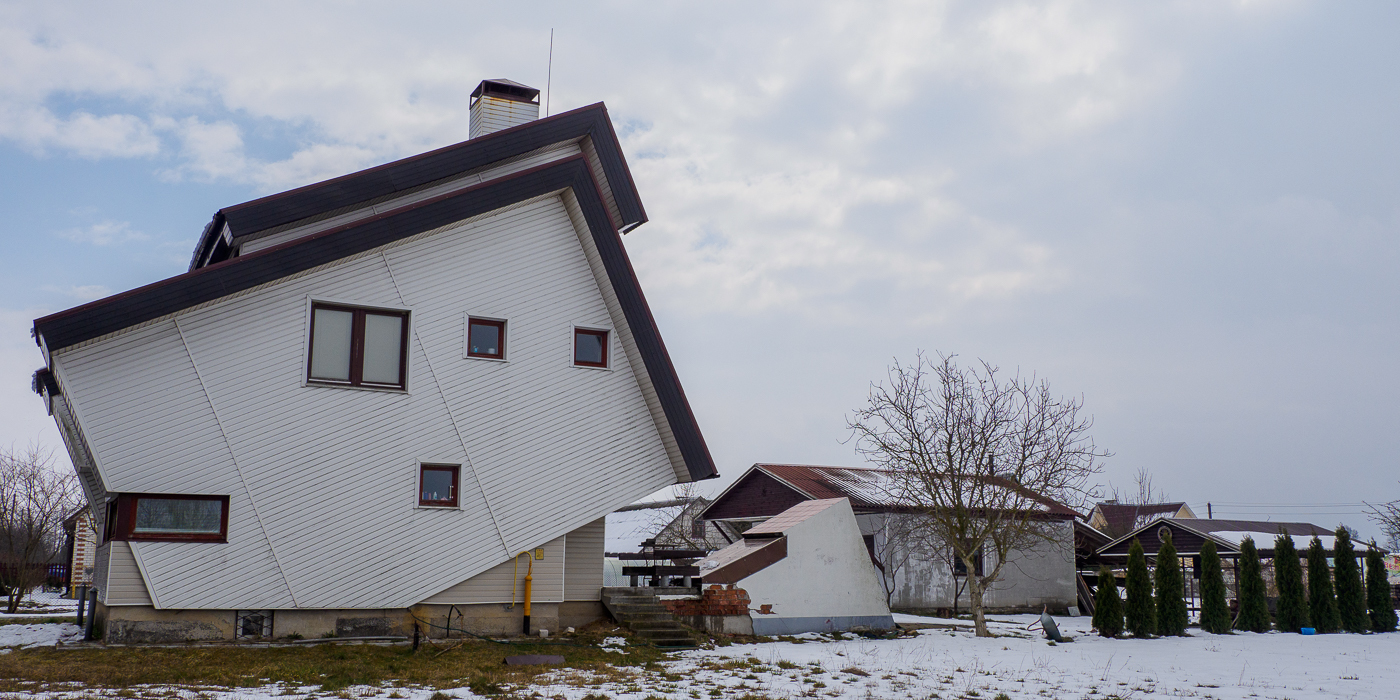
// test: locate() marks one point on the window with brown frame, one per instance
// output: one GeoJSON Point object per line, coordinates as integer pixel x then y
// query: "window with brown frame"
{"type": "Point", "coordinates": [486, 338]}
{"type": "Point", "coordinates": [167, 517]}
{"type": "Point", "coordinates": [590, 348]}
{"type": "Point", "coordinates": [352, 346]}
{"type": "Point", "coordinates": [437, 485]}
{"type": "Point", "coordinates": [960, 566]}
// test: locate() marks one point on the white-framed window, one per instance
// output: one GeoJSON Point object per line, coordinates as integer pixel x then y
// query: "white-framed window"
{"type": "Point", "coordinates": [486, 337]}
{"type": "Point", "coordinates": [592, 347]}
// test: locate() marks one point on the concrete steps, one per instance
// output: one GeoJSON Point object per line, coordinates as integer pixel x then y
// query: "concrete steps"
{"type": "Point", "coordinates": [639, 610]}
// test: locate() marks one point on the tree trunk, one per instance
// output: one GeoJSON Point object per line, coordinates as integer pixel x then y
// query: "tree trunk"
{"type": "Point", "coordinates": [974, 592]}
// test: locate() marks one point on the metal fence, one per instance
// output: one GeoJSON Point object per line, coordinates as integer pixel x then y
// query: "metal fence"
{"type": "Point", "coordinates": [55, 576]}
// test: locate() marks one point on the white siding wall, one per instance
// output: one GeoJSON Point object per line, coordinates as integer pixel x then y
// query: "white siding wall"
{"type": "Point", "coordinates": [546, 447]}
{"type": "Point", "coordinates": [583, 562]}
{"type": "Point", "coordinates": [99, 570]}
{"type": "Point", "coordinates": [495, 584]}
{"type": "Point", "coordinates": [124, 583]}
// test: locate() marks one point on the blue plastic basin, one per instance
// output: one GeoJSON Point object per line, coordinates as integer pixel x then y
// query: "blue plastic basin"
{"type": "Point", "coordinates": [1308, 630]}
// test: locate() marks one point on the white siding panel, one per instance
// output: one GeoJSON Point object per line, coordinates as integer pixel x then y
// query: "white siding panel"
{"type": "Point", "coordinates": [494, 584]}
{"type": "Point", "coordinates": [124, 583]}
{"type": "Point", "coordinates": [583, 562]}
{"type": "Point", "coordinates": [332, 471]}
{"type": "Point", "coordinates": [100, 567]}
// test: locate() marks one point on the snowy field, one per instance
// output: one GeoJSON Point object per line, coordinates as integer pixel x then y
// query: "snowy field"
{"type": "Point", "coordinates": [941, 663]}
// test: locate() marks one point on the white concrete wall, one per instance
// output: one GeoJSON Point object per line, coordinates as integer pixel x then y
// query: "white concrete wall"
{"type": "Point", "coordinates": [826, 582]}
{"type": "Point", "coordinates": [1042, 574]}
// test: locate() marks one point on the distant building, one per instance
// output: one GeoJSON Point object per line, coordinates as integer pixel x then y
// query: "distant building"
{"type": "Point", "coordinates": [1117, 519]}
{"type": "Point", "coordinates": [81, 536]}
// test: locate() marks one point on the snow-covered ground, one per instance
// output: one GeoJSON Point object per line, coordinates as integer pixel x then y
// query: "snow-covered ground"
{"type": "Point", "coordinates": [43, 604]}
{"type": "Point", "coordinates": [952, 663]}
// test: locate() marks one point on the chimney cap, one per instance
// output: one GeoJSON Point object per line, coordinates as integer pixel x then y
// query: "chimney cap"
{"type": "Point", "coordinates": [506, 89]}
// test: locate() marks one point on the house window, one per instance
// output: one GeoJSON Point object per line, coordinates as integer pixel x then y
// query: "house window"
{"type": "Point", "coordinates": [697, 528]}
{"type": "Point", "coordinates": [960, 567]}
{"type": "Point", "coordinates": [590, 348]}
{"type": "Point", "coordinates": [437, 485]}
{"type": "Point", "coordinates": [486, 338]}
{"type": "Point", "coordinates": [358, 347]}
{"type": "Point", "coordinates": [169, 517]}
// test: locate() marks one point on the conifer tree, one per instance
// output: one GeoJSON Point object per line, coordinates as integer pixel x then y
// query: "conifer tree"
{"type": "Point", "coordinates": [1378, 593]}
{"type": "Point", "coordinates": [1215, 614]}
{"type": "Point", "coordinates": [1322, 605]}
{"type": "Point", "coordinates": [1254, 602]}
{"type": "Point", "coordinates": [1288, 575]}
{"type": "Point", "coordinates": [1171, 591]}
{"type": "Point", "coordinates": [1108, 607]}
{"type": "Point", "coordinates": [1351, 597]}
{"type": "Point", "coordinates": [1141, 613]}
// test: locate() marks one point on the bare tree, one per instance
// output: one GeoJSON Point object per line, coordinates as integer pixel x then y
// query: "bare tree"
{"type": "Point", "coordinates": [980, 456]}
{"type": "Point", "coordinates": [1145, 493]}
{"type": "Point", "coordinates": [34, 498]}
{"type": "Point", "coordinates": [1387, 517]}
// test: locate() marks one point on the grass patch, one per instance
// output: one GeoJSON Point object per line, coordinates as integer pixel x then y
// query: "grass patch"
{"type": "Point", "coordinates": [477, 664]}
{"type": "Point", "coordinates": [37, 620]}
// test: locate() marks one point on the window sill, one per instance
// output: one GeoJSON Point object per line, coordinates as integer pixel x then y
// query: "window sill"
{"type": "Point", "coordinates": [486, 359]}
{"type": "Point", "coordinates": [330, 385]}
{"type": "Point", "coordinates": [423, 507]}
{"type": "Point", "coordinates": [596, 369]}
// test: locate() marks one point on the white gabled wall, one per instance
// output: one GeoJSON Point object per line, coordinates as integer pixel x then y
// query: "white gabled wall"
{"type": "Point", "coordinates": [330, 473]}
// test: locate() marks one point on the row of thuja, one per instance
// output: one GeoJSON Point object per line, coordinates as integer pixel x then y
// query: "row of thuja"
{"type": "Point", "coordinates": [1332, 601]}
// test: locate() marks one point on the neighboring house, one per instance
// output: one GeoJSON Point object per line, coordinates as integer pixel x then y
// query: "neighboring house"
{"type": "Point", "coordinates": [805, 570]}
{"type": "Point", "coordinates": [80, 534]}
{"type": "Point", "coordinates": [380, 398]}
{"type": "Point", "coordinates": [913, 577]}
{"type": "Point", "coordinates": [1117, 519]}
{"type": "Point", "coordinates": [673, 524]}
{"type": "Point", "coordinates": [1189, 534]}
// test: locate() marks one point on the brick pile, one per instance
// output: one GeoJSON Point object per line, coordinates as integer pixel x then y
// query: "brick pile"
{"type": "Point", "coordinates": [714, 600]}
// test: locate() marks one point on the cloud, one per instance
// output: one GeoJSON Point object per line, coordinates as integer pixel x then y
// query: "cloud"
{"type": "Point", "coordinates": [104, 233]}
{"type": "Point", "coordinates": [83, 134]}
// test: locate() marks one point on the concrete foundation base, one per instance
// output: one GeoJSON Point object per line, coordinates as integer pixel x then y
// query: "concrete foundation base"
{"type": "Point", "coordinates": [718, 624]}
{"type": "Point", "coordinates": [143, 624]}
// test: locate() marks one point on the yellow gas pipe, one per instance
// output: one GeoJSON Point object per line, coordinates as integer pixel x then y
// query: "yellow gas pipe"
{"type": "Point", "coordinates": [529, 579]}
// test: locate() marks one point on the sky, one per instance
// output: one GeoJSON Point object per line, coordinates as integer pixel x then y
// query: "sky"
{"type": "Point", "coordinates": [1185, 213]}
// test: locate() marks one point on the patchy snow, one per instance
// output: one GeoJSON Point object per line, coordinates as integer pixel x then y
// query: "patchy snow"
{"type": "Point", "coordinates": [1265, 540]}
{"type": "Point", "coordinates": [42, 604]}
{"type": "Point", "coordinates": [952, 663]}
{"type": "Point", "coordinates": [18, 635]}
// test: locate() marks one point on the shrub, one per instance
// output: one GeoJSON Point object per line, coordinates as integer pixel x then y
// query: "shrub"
{"type": "Point", "coordinates": [1351, 597]}
{"type": "Point", "coordinates": [1171, 591]}
{"type": "Point", "coordinates": [1108, 606]}
{"type": "Point", "coordinates": [1378, 593]}
{"type": "Point", "coordinates": [1322, 604]}
{"type": "Point", "coordinates": [1254, 602]}
{"type": "Point", "coordinates": [1141, 613]}
{"type": "Point", "coordinates": [1215, 614]}
{"type": "Point", "coordinates": [1288, 576]}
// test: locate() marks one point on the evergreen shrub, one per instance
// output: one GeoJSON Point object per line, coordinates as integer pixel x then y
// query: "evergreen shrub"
{"type": "Point", "coordinates": [1322, 604]}
{"type": "Point", "coordinates": [1108, 606]}
{"type": "Point", "coordinates": [1351, 597]}
{"type": "Point", "coordinates": [1254, 602]}
{"type": "Point", "coordinates": [1378, 593]}
{"type": "Point", "coordinates": [1215, 614]}
{"type": "Point", "coordinates": [1141, 613]}
{"type": "Point", "coordinates": [1288, 575]}
{"type": "Point", "coordinates": [1171, 591]}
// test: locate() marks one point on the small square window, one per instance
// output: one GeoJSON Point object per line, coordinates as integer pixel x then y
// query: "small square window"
{"type": "Point", "coordinates": [437, 485]}
{"type": "Point", "coordinates": [486, 338]}
{"type": "Point", "coordinates": [590, 348]}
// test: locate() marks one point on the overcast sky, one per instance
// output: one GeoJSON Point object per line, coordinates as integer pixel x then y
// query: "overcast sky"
{"type": "Point", "coordinates": [1186, 213]}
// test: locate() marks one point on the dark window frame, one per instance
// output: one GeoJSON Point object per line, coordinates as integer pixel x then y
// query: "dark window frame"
{"type": "Point", "coordinates": [456, 500]}
{"type": "Point", "coordinates": [500, 325]}
{"type": "Point", "coordinates": [357, 346]}
{"type": "Point", "coordinates": [697, 528]}
{"type": "Point", "coordinates": [960, 568]}
{"type": "Point", "coordinates": [607, 348]}
{"type": "Point", "coordinates": [124, 519]}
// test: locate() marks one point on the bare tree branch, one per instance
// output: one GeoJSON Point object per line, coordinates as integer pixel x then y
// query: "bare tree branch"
{"type": "Point", "coordinates": [981, 456]}
{"type": "Point", "coordinates": [34, 499]}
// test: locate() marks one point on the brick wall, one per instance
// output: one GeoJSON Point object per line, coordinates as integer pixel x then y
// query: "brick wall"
{"type": "Point", "coordinates": [714, 600]}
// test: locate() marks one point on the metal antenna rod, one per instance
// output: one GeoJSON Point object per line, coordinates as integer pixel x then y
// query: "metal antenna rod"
{"type": "Point", "coordinates": [549, 73]}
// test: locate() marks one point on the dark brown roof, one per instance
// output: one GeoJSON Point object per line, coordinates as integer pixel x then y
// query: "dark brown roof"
{"type": "Point", "coordinates": [1121, 517]}
{"type": "Point", "coordinates": [867, 489]}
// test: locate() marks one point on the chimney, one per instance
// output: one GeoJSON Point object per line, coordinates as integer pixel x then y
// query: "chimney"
{"type": "Point", "coordinates": [500, 104]}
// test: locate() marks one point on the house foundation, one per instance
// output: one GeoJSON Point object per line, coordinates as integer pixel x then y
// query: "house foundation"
{"type": "Point", "coordinates": [143, 624]}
